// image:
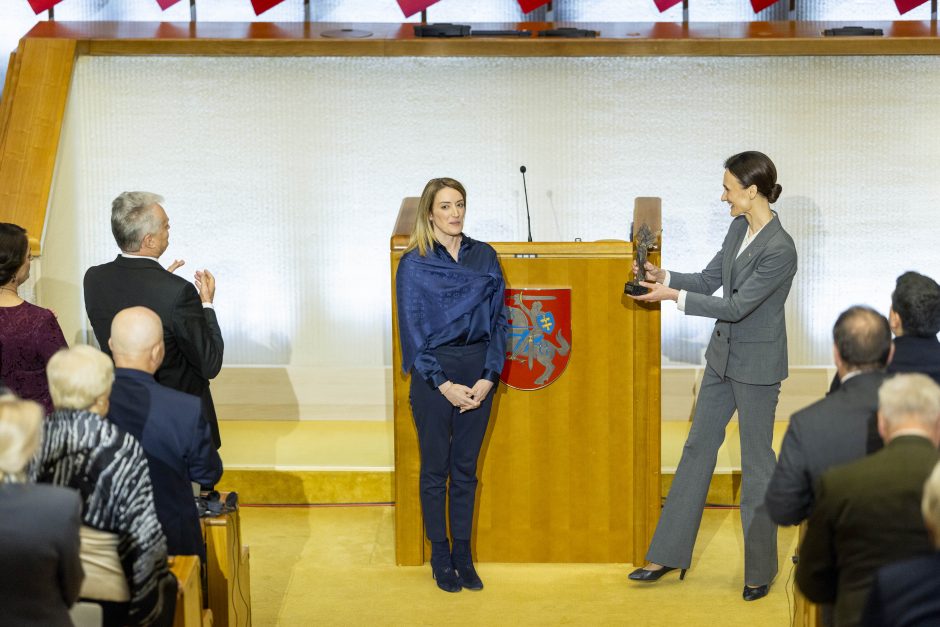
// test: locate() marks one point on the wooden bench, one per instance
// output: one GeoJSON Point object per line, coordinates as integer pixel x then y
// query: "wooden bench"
{"type": "Point", "coordinates": [189, 610]}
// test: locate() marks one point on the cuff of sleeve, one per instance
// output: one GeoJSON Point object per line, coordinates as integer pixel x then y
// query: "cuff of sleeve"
{"type": "Point", "coordinates": [208, 306]}
{"type": "Point", "coordinates": [437, 379]}
{"type": "Point", "coordinates": [666, 280]}
{"type": "Point", "coordinates": [490, 375]}
{"type": "Point", "coordinates": [680, 302]}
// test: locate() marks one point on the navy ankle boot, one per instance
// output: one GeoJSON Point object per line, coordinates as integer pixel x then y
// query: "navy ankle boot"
{"type": "Point", "coordinates": [463, 563]}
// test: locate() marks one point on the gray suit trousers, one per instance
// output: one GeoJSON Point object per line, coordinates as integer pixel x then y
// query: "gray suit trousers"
{"type": "Point", "coordinates": [682, 514]}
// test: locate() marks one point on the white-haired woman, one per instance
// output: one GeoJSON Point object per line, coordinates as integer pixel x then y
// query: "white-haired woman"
{"type": "Point", "coordinates": [38, 529]}
{"type": "Point", "coordinates": [123, 547]}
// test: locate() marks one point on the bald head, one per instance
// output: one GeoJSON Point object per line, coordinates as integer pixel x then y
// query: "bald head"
{"type": "Point", "coordinates": [137, 339]}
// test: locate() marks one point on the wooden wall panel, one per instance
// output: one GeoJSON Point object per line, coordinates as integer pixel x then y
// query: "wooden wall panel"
{"type": "Point", "coordinates": [31, 133]}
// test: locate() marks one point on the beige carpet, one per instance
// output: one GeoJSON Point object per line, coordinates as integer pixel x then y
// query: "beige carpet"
{"type": "Point", "coordinates": [336, 566]}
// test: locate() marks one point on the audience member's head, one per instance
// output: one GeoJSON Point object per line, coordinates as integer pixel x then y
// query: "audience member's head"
{"type": "Point", "coordinates": [137, 339]}
{"type": "Point", "coordinates": [140, 224]}
{"type": "Point", "coordinates": [80, 378]}
{"type": "Point", "coordinates": [915, 306]}
{"type": "Point", "coordinates": [20, 428]}
{"type": "Point", "coordinates": [14, 254]}
{"type": "Point", "coordinates": [930, 505]}
{"type": "Point", "coordinates": [909, 404]}
{"type": "Point", "coordinates": [862, 340]}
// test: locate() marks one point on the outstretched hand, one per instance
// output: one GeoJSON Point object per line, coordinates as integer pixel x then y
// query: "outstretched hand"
{"type": "Point", "coordinates": [173, 267]}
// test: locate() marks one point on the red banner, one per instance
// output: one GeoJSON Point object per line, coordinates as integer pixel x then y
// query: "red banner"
{"type": "Point", "coordinates": [760, 5]}
{"type": "Point", "coordinates": [662, 5]}
{"type": "Point", "coordinates": [906, 5]}
{"type": "Point", "coordinates": [410, 7]}
{"type": "Point", "coordinates": [531, 5]}
{"type": "Point", "coordinates": [38, 6]}
{"type": "Point", "coordinates": [166, 4]}
{"type": "Point", "coordinates": [260, 6]}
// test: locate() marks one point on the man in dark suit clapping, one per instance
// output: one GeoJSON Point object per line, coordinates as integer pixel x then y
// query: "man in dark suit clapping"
{"type": "Point", "coordinates": [839, 428]}
{"type": "Point", "coordinates": [191, 332]}
{"type": "Point", "coordinates": [867, 512]}
{"type": "Point", "coordinates": [167, 424]}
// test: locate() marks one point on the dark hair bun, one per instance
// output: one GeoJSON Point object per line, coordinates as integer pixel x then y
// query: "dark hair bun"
{"type": "Point", "coordinates": [774, 193]}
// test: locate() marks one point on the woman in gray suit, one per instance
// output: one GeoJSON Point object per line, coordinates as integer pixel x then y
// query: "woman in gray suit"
{"type": "Point", "coordinates": [746, 360]}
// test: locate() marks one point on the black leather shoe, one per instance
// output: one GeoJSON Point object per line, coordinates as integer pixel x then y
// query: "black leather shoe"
{"type": "Point", "coordinates": [468, 578]}
{"type": "Point", "coordinates": [446, 578]}
{"type": "Point", "coordinates": [642, 574]}
{"type": "Point", "coordinates": [752, 594]}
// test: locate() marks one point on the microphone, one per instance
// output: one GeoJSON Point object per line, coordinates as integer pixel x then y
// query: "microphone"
{"type": "Point", "coordinates": [528, 216]}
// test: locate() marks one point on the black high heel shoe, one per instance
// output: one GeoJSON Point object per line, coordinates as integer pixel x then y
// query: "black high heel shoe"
{"type": "Point", "coordinates": [642, 574]}
{"type": "Point", "coordinates": [752, 594]}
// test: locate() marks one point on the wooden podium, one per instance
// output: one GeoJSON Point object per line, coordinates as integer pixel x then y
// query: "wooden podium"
{"type": "Point", "coordinates": [569, 472]}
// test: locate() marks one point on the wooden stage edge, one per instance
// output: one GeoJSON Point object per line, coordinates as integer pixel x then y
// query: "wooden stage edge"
{"type": "Point", "coordinates": [787, 38]}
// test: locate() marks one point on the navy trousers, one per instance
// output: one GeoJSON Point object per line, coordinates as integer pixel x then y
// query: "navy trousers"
{"type": "Point", "coordinates": [450, 443]}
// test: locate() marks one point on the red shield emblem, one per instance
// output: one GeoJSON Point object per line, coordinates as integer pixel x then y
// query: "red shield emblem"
{"type": "Point", "coordinates": [539, 339]}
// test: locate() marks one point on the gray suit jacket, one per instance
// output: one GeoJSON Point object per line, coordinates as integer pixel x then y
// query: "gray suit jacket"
{"type": "Point", "coordinates": [835, 430]}
{"type": "Point", "coordinates": [749, 341]}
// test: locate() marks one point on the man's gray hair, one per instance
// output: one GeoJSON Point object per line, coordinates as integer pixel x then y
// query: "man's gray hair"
{"type": "Point", "coordinates": [132, 219]}
{"type": "Point", "coordinates": [907, 396]}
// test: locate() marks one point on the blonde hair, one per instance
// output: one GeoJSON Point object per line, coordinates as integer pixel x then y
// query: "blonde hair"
{"type": "Point", "coordinates": [78, 376]}
{"type": "Point", "coordinates": [910, 396]}
{"type": "Point", "coordinates": [422, 237]}
{"type": "Point", "coordinates": [20, 428]}
{"type": "Point", "coordinates": [930, 504]}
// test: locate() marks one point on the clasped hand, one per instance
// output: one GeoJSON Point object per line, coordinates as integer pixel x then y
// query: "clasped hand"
{"type": "Point", "coordinates": [658, 291]}
{"type": "Point", "coordinates": [466, 398]}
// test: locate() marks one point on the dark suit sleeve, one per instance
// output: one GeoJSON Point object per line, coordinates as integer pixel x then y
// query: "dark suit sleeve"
{"type": "Point", "coordinates": [197, 331]}
{"type": "Point", "coordinates": [70, 562]}
{"type": "Point", "coordinates": [205, 465]}
{"type": "Point", "coordinates": [705, 282]}
{"type": "Point", "coordinates": [874, 615]}
{"type": "Point", "coordinates": [790, 494]}
{"type": "Point", "coordinates": [775, 267]}
{"type": "Point", "coordinates": [817, 574]}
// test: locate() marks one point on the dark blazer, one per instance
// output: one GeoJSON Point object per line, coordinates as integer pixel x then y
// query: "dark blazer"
{"type": "Point", "coordinates": [838, 429]}
{"type": "Point", "coordinates": [191, 332]}
{"type": "Point", "coordinates": [905, 594]}
{"type": "Point", "coordinates": [867, 515]}
{"type": "Point", "coordinates": [749, 341]}
{"type": "Point", "coordinates": [41, 572]}
{"type": "Point", "coordinates": [178, 447]}
{"type": "Point", "coordinates": [916, 354]}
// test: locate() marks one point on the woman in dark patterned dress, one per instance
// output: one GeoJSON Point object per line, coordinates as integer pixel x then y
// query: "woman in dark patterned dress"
{"type": "Point", "coordinates": [29, 335]}
{"type": "Point", "coordinates": [123, 547]}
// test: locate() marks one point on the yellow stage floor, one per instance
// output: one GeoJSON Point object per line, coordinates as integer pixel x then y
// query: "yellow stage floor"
{"type": "Point", "coordinates": [336, 566]}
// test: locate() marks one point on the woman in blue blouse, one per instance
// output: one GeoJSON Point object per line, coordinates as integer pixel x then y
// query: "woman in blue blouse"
{"type": "Point", "coordinates": [452, 327]}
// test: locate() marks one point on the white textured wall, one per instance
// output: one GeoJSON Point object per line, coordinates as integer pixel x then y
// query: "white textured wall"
{"type": "Point", "coordinates": [284, 175]}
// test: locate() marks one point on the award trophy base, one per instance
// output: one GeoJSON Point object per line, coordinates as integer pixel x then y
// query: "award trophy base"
{"type": "Point", "coordinates": [633, 288]}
